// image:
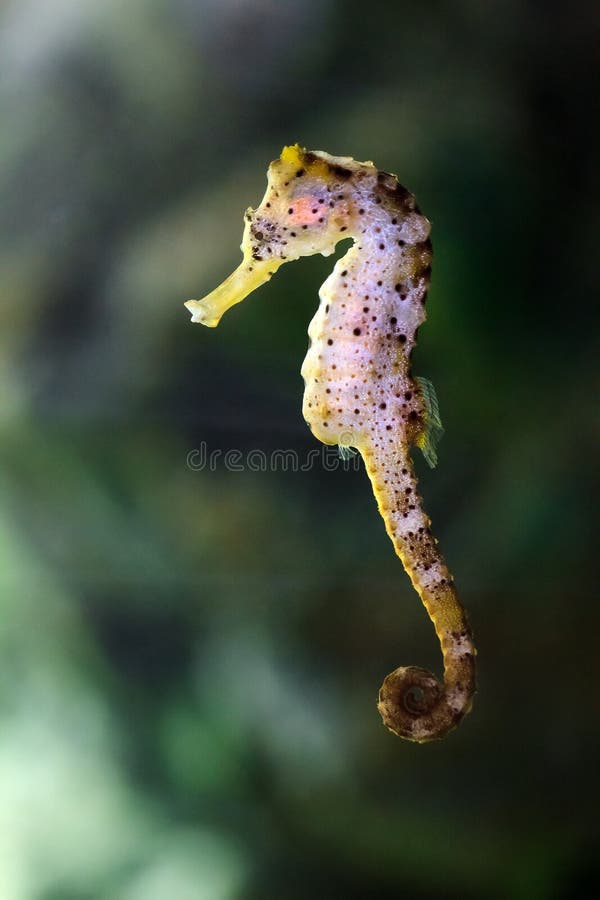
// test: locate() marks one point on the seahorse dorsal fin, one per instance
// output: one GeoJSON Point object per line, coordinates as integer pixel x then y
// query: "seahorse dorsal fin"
{"type": "Point", "coordinates": [432, 432]}
{"type": "Point", "coordinates": [345, 452]}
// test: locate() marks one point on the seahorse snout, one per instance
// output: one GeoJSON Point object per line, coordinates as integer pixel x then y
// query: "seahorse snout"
{"type": "Point", "coordinates": [246, 278]}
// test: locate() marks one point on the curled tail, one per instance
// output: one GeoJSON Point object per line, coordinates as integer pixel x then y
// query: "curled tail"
{"type": "Point", "coordinates": [413, 703]}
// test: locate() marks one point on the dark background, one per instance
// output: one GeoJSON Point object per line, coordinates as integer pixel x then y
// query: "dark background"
{"type": "Point", "coordinates": [189, 660]}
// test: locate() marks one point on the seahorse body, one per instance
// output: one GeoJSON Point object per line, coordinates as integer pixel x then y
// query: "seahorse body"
{"type": "Point", "coordinates": [359, 391]}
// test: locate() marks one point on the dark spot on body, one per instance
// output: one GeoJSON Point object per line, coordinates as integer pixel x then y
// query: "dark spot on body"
{"type": "Point", "coordinates": [356, 332]}
{"type": "Point", "coordinates": [341, 171]}
{"type": "Point", "coordinates": [402, 195]}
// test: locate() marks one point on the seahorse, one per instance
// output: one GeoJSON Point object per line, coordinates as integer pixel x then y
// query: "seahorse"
{"type": "Point", "coordinates": [359, 389]}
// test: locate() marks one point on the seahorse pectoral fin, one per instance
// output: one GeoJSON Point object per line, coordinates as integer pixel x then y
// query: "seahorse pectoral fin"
{"type": "Point", "coordinates": [246, 278]}
{"type": "Point", "coordinates": [433, 431]}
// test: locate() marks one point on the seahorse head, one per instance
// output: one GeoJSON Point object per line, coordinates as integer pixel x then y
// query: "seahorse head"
{"type": "Point", "coordinates": [305, 209]}
{"type": "Point", "coordinates": [309, 205]}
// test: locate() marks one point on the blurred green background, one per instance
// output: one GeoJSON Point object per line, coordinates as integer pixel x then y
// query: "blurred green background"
{"type": "Point", "coordinates": [189, 659]}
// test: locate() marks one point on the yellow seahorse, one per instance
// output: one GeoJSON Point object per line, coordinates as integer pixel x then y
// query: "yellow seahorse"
{"type": "Point", "coordinates": [359, 390]}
